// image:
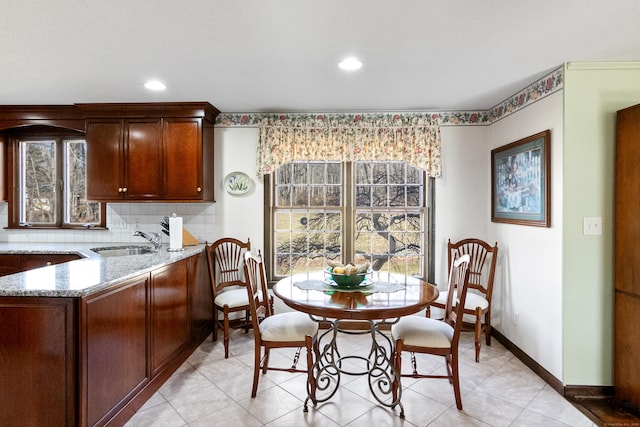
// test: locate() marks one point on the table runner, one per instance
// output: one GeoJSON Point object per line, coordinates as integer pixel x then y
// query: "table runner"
{"type": "Point", "coordinates": [321, 285]}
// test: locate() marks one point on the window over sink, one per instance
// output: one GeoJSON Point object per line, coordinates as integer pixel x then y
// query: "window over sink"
{"type": "Point", "coordinates": [48, 169]}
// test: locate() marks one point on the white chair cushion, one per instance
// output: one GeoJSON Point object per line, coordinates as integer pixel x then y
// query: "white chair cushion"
{"type": "Point", "coordinates": [423, 332]}
{"type": "Point", "coordinates": [442, 298]}
{"type": "Point", "coordinates": [473, 300]}
{"type": "Point", "coordinates": [233, 298]}
{"type": "Point", "coordinates": [289, 326]}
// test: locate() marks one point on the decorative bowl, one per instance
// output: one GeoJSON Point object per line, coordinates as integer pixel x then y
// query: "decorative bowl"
{"type": "Point", "coordinates": [347, 280]}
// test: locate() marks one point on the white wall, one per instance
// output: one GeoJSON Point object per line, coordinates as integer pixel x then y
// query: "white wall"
{"type": "Point", "coordinates": [554, 287]}
{"type": "Point", "coordinates": [527, 301]}
{"type": "Point", "coordinates": [462, 208]}
{"type": "Point", "coordinates": [241, 217]}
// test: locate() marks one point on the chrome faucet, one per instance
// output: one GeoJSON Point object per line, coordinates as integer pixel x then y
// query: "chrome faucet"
{"type": "Point", "coordinates": [154, 238]}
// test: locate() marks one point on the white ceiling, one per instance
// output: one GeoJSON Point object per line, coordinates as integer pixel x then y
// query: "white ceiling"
{"type": "Point", "coordinates": [282, 55]}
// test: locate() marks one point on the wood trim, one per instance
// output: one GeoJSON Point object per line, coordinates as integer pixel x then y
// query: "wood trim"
{"type": "Point", "coordinates": [149, 110]}
{"type": "Point", "coordinates": [63, 116]}
{"type": "Point", "coordinates": [569, 391]}
{"type": "Point", "coordinates": [555, 383]}
{"type": "Point", "coordinates": [73, 116]}
{"type": "Point", "coordinates": [589, 391]}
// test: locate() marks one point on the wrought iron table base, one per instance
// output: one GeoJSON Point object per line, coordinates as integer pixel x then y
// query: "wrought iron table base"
{"type": "Point", "coordinates": [328, 366]}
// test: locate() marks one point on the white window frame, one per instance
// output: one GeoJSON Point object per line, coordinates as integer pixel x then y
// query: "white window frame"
{"type": "Point", "coordinates": [347, 251]}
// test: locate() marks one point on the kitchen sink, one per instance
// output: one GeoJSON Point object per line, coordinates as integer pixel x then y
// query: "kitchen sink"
{"type": "Point", "coordinates": [108, 251]}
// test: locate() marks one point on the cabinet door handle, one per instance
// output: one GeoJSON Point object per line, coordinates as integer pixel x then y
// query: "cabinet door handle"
{"type": "Point", "coordinates": [120, 190]}
{"type": "Point", "coordinates": [48, 262]}
{"type": "Point", "coordinates": [199, 189]}
{"type": "Point", "coordinates": [124, 189]}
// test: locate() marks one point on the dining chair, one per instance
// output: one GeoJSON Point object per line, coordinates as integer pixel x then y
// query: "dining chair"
{"type": "Point", "coordinates": [417, 334]}
{"type": "Point", "coordinates": [225, 258]}
{"type": "Point", "coordinates": [482, 268]}
{"type": "Point", "coordinates": [284, 330]}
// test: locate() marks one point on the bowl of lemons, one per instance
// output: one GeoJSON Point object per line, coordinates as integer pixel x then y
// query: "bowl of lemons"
{"type": "Point", "coordinates": [348, 275]}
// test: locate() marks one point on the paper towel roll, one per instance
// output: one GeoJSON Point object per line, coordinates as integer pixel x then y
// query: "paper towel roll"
{"type": "Point", "coordinates": [175, 233]}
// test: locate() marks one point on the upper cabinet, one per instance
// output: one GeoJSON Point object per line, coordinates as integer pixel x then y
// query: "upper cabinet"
{"type": "Point", "coordinates": [185, 177]}
{"type": "Point", "coordinates": [3, 169]}
{"type": "Point", "coordinates": [150, 152]}
{"type": "Point", "coordinates": [124, 159]}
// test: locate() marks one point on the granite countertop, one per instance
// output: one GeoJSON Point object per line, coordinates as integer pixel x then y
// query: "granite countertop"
{"type": "Point", "coordinates": [83, 276]}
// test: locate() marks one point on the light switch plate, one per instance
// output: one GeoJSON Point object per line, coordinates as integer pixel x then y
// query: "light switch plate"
{"type": "Point", "coordinates": [592, 225]}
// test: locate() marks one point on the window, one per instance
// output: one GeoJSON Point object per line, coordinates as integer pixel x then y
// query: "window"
{"type": "Point", "coordinates": [49, 168]}
{"type": "Point", "coordinates": [358, 212]}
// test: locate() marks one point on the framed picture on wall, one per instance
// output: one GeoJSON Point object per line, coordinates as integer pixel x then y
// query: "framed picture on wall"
{"type": "Point", "coordinates": [520, 181]}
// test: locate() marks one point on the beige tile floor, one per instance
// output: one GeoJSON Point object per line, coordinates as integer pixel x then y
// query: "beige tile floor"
{"type": "Point", "coordinates": [208, 390]}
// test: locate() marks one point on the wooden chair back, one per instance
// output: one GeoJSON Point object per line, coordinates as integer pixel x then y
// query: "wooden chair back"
{"type": "Point", "coordinates": [256, 287]}
{"type": "Point", "coordinates": [226, 257]}
{"type": "Point", "coordinates": [479, 253]}
{"type": "Point", "coordinates": [459, 284]}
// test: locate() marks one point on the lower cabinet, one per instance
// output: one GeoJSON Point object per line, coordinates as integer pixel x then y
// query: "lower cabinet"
{"type": "Point", "coordinates": [95, 360]}
{"type": "Point", "coordinates": [169, 313]}
{"type": "Point", "coordinates": [37, 362]}
{"type": "Point", "coordinates": [114, 349]}
{"type": "Point", "coordinates": [15, 263]}
{"type": "Point", "coordinates": [31, 261]}
{"type": "Point", "coordinates": [200, 307]}
{"type": "Point", "coordinates": [10, 264]}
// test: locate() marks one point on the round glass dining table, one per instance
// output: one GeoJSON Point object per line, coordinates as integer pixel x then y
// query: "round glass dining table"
{"type": "Point", "coordinates": [381, 300]}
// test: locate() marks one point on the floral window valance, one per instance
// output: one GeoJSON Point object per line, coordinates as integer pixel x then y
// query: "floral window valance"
{"type": "Point", "coordinates": [412, 138]}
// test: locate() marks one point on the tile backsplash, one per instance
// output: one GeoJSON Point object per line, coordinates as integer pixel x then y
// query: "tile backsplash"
{"type": "Point", "coordinates": [122, 220]}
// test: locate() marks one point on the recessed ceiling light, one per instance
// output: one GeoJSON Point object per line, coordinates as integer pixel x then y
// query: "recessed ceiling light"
{"type": "Point", "coordinates": [350, 64]}
{"type": "Point", "coordinates": [155, 85]}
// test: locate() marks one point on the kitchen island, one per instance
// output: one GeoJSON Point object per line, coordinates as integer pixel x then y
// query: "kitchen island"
{"type": "Point", "coordinates": [87, 342]}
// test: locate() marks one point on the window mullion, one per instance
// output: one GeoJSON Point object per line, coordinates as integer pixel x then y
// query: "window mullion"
{"type": "Point", "coordinates": [59, 186]}
{"type": "Point", "coordinates": [348, 213]}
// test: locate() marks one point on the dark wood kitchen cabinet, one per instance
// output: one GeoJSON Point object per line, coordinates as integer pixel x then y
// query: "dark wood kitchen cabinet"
{"type": "Point", "coordinates": [150, 152]}
{"type": "Point", "coordinates": [10, 263]}
{"type": "Point", "coordinates": [184, 145]}
{"type": "Point", "coordinates": [114, 349]}
{"type": "Point", "coordinates": [124, 159]}
{"type": "Point", "coordinates": [15, 263]}
{"type": "Point", "coordinates": [132, 334]}
{"type": "Point", "coordinates": [37, 362]}
{"type": "Point", "coordinates": [31, 261]}
{"type": "Point", "coordinates": [3, 169]}
{"type": "Point", "coordinates": [169, 313]}
{"type": "Point", "coordinates": [96, 359]}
